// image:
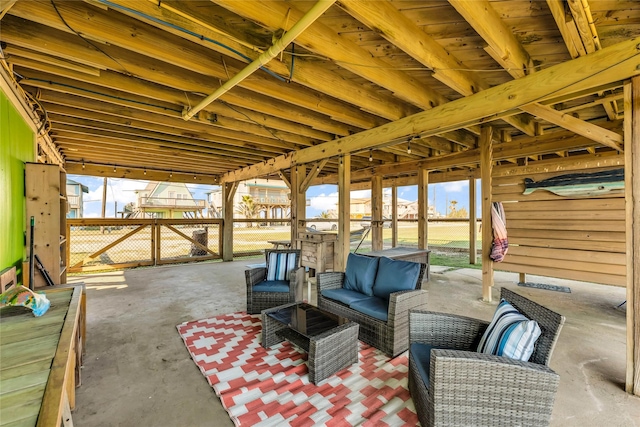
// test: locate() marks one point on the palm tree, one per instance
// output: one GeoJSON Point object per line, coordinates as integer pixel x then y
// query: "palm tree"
{"type": "Point", "coordinates": [324, 214]}
{"type": "Point", "coordinates": [247, 208]}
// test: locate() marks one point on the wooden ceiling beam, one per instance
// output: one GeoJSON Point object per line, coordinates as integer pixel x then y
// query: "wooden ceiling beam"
{"type": "Point", "coordinates": [318, 38]}
{"type": "Point", "coordinates": [229, 137]}
{"type": "Point", "coordinates": [386, 19]}
{"type": "Point", "coordinates": [45, 39]}
{"type": "Point", "coordinates": [128, 172]}
{"type": "Point", "coordinates": [113, 28]}
{"type": "Point", "coordinates": [614, 63]}
{"type": "Point", "coordinates": [503, 47]}
{"type": "Point", "coordinates": [563, 20]}
{"type": "Point", "coordinates": [110, 123]}
{"type": "Point", "coordinates": [524, 146]}
{"type": "Point", "coordinates": [80, 126]}
{"type": "Point", "coordinates": [138, 145]}
{"type": "Point", "coordinates": [589, 130]}
{"type": "Point", "coordinates": [117, 90]}
{"type": "Point", "coordinates": [184, 15]}
{"type": "Point", "coordinates": [15, 51]}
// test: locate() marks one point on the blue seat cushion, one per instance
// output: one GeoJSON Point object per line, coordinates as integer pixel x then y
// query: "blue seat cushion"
{"type": "Point", "coordinates": [360, 274]}
{"type": "Point", "coordinates": [421, 353]}
{"type": "Point", "coordinates": [372, 306]}
{"type": "Point", "coordinates": [345, 296]}
{"type": "Point", "coordinates": [394, 276]}
{"type": "Point", "coordinates": [272, 286]}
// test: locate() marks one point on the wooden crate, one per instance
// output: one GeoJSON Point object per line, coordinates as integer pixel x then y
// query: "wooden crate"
{"type": "Point", "coordinates": [318, 251]}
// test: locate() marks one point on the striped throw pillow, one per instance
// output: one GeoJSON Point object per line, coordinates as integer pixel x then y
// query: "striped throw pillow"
{"type": "Point", "coordinates": [510, 334]}
{"type": "Point", "coordinates": [280, 265]}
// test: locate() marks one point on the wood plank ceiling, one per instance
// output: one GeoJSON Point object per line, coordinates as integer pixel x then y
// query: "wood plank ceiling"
{"type": "Point", "coordinates": [112, 78]}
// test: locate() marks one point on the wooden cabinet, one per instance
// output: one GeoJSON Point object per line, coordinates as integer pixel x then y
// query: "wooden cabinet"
{"type": "Point", "coordinates": [46, 194]}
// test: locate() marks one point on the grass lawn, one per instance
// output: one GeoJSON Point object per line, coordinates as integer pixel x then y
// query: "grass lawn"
{"type": "Point", "coordinates": [455, 260]}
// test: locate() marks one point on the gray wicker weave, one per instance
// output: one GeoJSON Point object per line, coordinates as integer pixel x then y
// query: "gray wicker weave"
{"type": "Point", "coordinates": [328, 352]}
{"type": "Point", "coordinates": [467, 388]}
{"type": "Point", "coordinates": [392, 336]}
{"type": "Point", "coordinates": [258, 301]}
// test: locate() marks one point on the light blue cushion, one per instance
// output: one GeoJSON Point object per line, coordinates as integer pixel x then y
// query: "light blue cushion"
{"type": "Point", "coordinates": [394, 276]}
{"type": "Point", "coordinates": [272, 286]}
{"type": "Point", "coordinates": [510, 334]}
{"type": "Point", "coordinates": [280, 265]}
{"type": "Point", "coordinates": [421, 353]}
{"type": "Point", "coordinates": [372, 306]}
{"type": "Point", "coordinates": [360, 273]}
{"type": "Point", "coordinates": [345, 296]}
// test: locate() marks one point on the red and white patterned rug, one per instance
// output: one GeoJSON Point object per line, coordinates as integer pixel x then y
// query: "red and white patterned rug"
{"type": "Point", "coordinates": [270, 387]}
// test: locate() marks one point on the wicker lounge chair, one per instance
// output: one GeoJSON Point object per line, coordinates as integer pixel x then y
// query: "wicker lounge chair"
{"type": "Point", "coordinates": [270, 294]}
{"type": "Point", "coordinates": [470, 388]}
{"type": "Point", "coordinates": [391, 336]}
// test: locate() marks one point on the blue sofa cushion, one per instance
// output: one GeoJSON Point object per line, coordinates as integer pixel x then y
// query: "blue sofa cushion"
{"type": "Point", "coordinates": [372, 306]}
{"type": "Point", "coordinates": [272, 286]}
{"type": "Point", "coordinates": [360, 274]}
{"type": "Point", "coordinates": [345, 296]}
{"type": "Point", "coordinates": [394, 276]}
{"type": "Point", "coordinates": [421, 353]}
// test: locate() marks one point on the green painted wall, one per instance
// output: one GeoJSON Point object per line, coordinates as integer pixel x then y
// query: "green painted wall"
{"type": "Point", "coordinates": [16, 147]}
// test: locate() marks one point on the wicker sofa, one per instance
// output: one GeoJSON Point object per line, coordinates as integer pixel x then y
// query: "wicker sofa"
{"type": "Point", "coordinates": [389, 330]}
{"type": "Point", "coordinates": [463, 387]}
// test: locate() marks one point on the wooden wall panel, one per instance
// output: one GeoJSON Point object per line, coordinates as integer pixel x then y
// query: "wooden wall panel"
{"type": "Point", "coordinates": [578, 238]}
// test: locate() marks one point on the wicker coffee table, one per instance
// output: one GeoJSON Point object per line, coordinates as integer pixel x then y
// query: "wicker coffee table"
{"type": "Point", "coordinates": [331, 341]}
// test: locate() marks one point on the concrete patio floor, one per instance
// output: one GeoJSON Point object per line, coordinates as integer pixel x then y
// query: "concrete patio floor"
{"type": "Point", "coordinates": [137, 371]}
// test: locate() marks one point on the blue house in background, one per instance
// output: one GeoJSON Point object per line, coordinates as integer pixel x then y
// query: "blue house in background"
{"type": "Point", "coordinates": [74, 198]}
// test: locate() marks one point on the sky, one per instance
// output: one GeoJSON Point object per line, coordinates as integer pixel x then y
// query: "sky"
{"type": "Point", "coordinates": [322, 197]}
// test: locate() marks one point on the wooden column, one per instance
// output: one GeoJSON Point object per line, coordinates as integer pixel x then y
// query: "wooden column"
{"type": "Point", "coordinates": [632, 196]}
{"type": "Point", "coordinates": [473, 217]}
{"type": "Point", "coordinates": [486, 169]}
{"type": "Point", "coordinates": [394, 216]}
{"type": "Point", "coordinates": [376, 213]}
{"type": "Point", "coordinates": [344, 213]}
{"type": "Point", "coordinates": [228, 193]}
{"type": "Point", "coordinates": [423, 200]}
{"type": "Point", "coordinates": [298, 203]}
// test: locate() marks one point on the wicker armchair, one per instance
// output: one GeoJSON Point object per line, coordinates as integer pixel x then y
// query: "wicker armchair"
{"type": "Point", "coordinates": [262, 298]}
{"type": "Point", "coordinates": [468, 388]}
{"type": "Point", "coordinates": [392, 336]}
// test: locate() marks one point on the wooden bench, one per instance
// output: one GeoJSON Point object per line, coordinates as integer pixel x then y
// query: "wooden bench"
{"type": "Point", "coordinates": [41, 359]}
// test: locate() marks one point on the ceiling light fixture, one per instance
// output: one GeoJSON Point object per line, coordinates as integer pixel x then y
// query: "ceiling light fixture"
{"type": "Point", "coordinates": [370, 155]}
{"type": "Point", "coordinates": [83, 165]}
{"type": "Point", "coordinates": [171, 174]}
{"type": "Point", "coordinates": [114, 168]}
{"type": "Point", "coordinates": [409, 146]}
{"type": "Point", "coordinates": [145, 171]}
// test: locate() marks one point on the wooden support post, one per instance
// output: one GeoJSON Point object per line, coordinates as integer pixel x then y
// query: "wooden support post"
{"type": "Point", "coordinates": [632, 196]}
{"type": "Point", "coordinates": [423, 199]}
{"type": "Point", "coordinates": [394, 216]}
{"type": "Point", "coordinates": [473, 222]}
{"type": "Point", "coordinates": [376, 213]}
{"type": "Point", "coordinates": [344, 213]}
{"type": "Point", "coordinates": [298, 203]}
{"type": "Point", "coordinates": [228, 193]}
{"type": "Point", "coordinates": [486, 168]}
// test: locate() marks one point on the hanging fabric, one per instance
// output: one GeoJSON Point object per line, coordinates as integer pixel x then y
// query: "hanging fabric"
{"type": "Point", "coordinates": [500, 244]}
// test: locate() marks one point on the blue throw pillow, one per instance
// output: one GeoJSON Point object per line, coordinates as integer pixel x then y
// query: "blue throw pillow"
{"type": "Point", "coordinates": [360, 274]}
{"type": "Point", "coordinates": [280, 265]}
{"type": "Point", "coordinates": [510, 334]}
{"type": "Point", "coordinates": [395, 276]}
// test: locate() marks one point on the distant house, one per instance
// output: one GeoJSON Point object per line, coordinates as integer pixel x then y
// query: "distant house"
{"type": "Point", "coordinates": [75, 201]}
{"type": "Point", "coordinates": [167, 200]}
{"type": "Point", "coordinates": [271, 197]}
